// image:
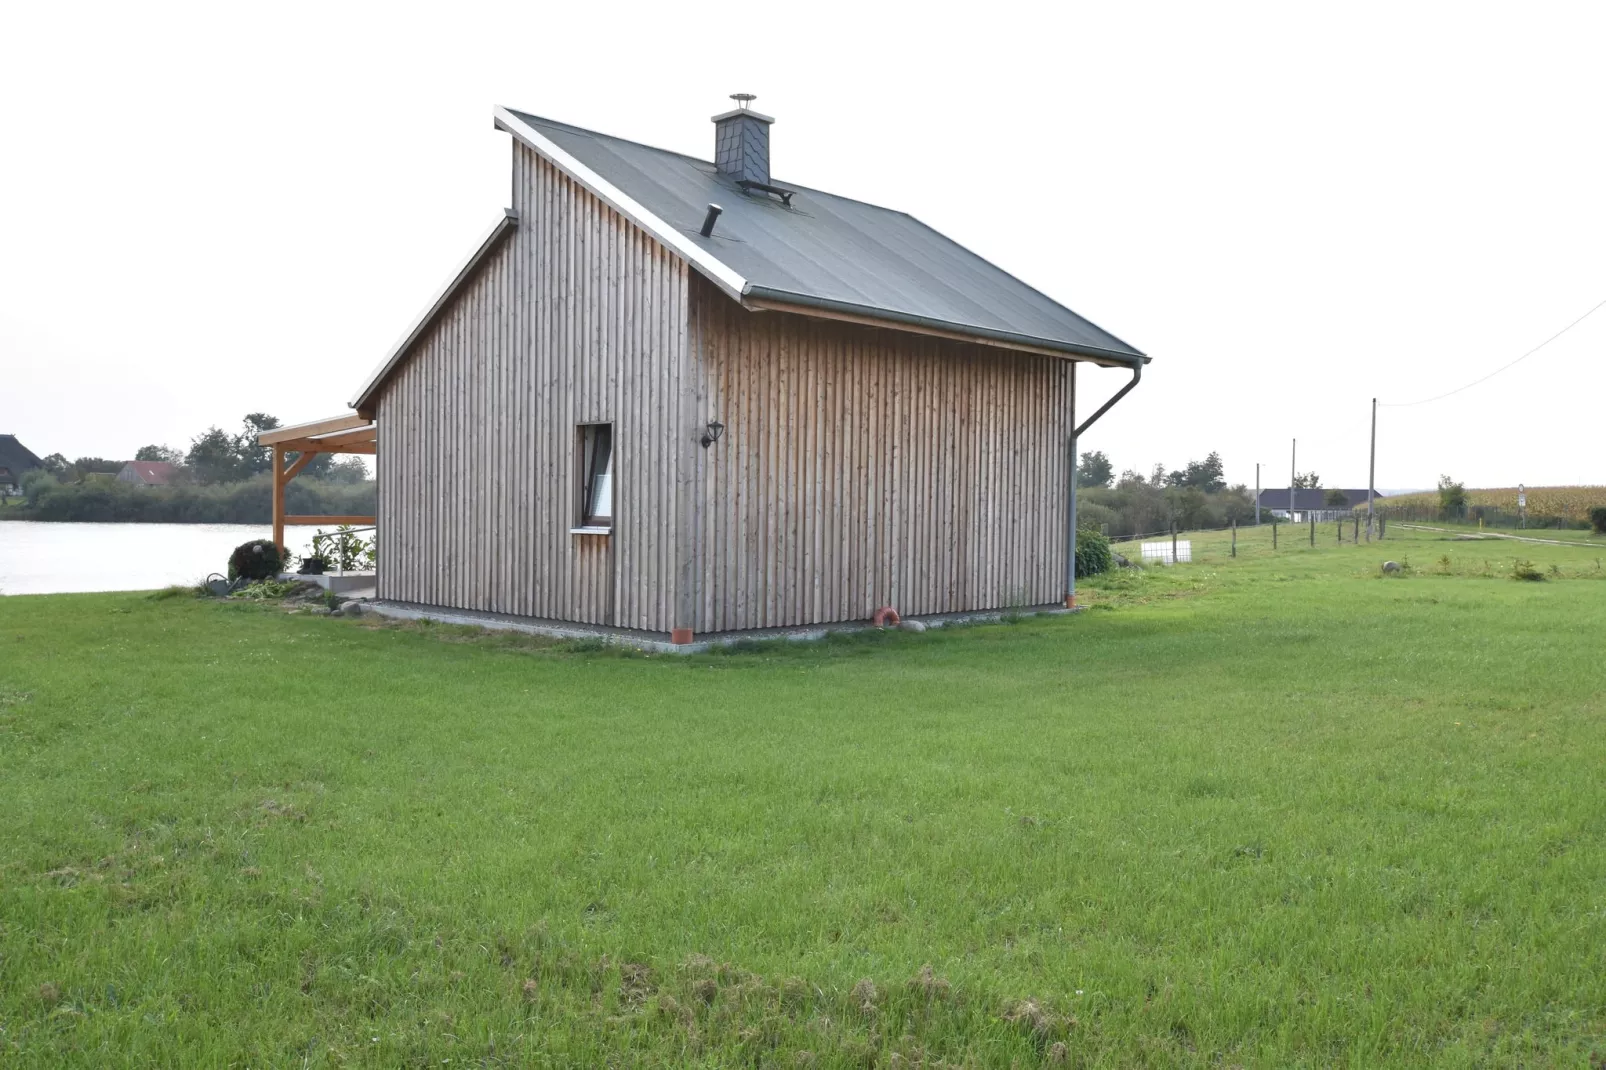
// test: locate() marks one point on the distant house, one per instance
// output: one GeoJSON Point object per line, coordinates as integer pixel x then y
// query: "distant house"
{"type": "Point", "coordinates": [148, 473]}
{"type": "Point", "coordinates": [1308, 503]}
{"type": "Point", "coordinates": [672, 396]}
{"type": "Point", "coordinates": [15, 459]}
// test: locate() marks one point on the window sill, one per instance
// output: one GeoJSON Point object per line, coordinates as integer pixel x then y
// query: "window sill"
{"type": "Point", "coordinates": [590, 531]}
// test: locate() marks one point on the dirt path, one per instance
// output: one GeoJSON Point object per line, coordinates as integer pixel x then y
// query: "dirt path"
{"type": "Point", "coordinates": [1496, 535]}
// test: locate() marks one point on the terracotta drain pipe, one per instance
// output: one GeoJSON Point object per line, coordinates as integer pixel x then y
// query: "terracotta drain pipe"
{"type": "Point", "coordinates": [1070, 535]}
{"type": "Point", "coordinates": [883, 615]}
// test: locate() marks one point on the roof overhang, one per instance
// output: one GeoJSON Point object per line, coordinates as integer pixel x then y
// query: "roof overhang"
{"type": "Point", "coordinates": [349, 433]}
{"type": "Point", "coordinates": [763, 298]}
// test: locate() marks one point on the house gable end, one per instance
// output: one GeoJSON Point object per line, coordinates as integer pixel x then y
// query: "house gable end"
{"type": "Point", "coordinates": [578, 318]}
{"type": "Point", "coordinates": [667, 235]}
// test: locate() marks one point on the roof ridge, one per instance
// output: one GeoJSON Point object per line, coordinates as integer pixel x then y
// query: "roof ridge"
{"type": "Point", "coordinates": [698, 159]}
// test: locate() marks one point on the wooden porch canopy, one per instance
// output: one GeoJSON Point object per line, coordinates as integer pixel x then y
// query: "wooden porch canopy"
{"type": "Point", "coordinates": [337, 434]}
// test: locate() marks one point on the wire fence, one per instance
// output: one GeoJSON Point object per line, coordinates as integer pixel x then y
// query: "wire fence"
{"type": "Point", "coordinates": [1349, 527]}
{"type": "Point", "coordinates": [1489, 516]}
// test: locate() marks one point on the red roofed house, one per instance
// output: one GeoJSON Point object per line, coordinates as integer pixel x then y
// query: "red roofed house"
{"type": "Point", "coordinates": [148, 473]}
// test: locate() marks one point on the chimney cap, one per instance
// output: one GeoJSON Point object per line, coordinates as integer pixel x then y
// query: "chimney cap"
{"type": "Point", "coordinates": [742, 101]}
{"type": "Point", "coordinates": [740, 113]}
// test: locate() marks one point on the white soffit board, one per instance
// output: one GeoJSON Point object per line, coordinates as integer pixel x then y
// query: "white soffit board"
{"type": "Point", "coordinates": [722, 276]}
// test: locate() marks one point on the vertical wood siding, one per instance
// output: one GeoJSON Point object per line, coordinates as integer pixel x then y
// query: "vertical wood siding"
{"type": "Point", "coordinates": [580, 317]}
{"type": "Point", "coordinates": [863, 467]}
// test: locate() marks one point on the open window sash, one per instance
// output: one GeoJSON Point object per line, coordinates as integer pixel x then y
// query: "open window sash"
{"type": "Point", "coordinates": [597, 511]}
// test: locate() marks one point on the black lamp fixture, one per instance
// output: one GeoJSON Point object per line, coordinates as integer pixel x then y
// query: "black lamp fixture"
{"type": "Point", "coordinates": [711, 436]}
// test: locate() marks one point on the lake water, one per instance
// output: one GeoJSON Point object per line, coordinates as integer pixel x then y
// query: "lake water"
{"type": "Point", "coordinates": [41, 558]}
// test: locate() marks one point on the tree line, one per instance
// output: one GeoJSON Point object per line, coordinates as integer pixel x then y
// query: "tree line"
{"type": "Point", "coordinates": [214, 456]}
{"type": "Point", "coordinates": [1194, 496]}
{"type": "Point", "coordinates": [222, 478]}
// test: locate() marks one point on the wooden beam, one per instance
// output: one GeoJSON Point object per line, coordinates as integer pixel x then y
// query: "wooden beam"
{"type": "Point", "coordinates": [278, 497]}
{"type": "Point", "coordinates": [336, 521]}
{"type": "Point", "coordinates": [348, 438]}
{"type": "Point", "coordinates": [312, 427]}
{"type": "Point", "coordinates": [297, 465]}
{"type": "Point", "coordinates": [318, 445]}
{"type": "Point", "coordinates": [759, 304]}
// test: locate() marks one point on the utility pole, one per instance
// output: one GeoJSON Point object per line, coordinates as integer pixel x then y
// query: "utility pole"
{"type": "Point", "coordinates": [1257, 494]}
{"type": "Point", "coordinates": [1371, 476]}
{"type": "Point", "coordinates": [1293, 469]}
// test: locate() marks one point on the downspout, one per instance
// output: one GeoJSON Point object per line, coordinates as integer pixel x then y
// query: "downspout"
{"type": "Point", "coordinates": [1070, 535]}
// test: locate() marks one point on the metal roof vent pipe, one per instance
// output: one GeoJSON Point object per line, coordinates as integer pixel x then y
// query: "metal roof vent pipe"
{"type": "Point", "coordinates": [708, 220]}
{"type": "Point", "coordinates": [742, 143]}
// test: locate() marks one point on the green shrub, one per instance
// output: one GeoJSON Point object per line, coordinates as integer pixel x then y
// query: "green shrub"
{"type": "Point", "coordinates": [1597, 519]}
{"type": "Point", "coordinates": [1092, 553]}
{"type": "Point", "coordinates": [263, 590]}
{"type": "Point", "coordinates": [345, 549]}
{"type": "Point", "coordinates": [1452, 499]}
{"type": "Point", "coordinates": [1096, 516]}
{"type": "Point", "coordinates": [1523, 569]}
{"type": "Point", "coordinates": [258, 559]}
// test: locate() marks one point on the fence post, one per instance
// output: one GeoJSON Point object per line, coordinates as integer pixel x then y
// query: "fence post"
{"type": "Point", "coordinates": [1173, 543]}
{"type": "Point", "coordinates": [1274, 531]}
{"type": "Point", "coordinates": [1235, 536]}
{"type": "Point", "coordinates": [1355, 535]}
{"type": "Point", "coordinates": [1341, 531]}
{"type": "Point", "coordinates": [1313, 528]}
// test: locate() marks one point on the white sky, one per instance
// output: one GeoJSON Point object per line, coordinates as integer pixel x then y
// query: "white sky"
{"type": "Point", "coordinates": [217, 208]}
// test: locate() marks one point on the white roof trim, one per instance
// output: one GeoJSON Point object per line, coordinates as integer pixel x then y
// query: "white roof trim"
{"type": "Point", "coordinates": [681, 243]}
{"type": "Point", "coordinates": [329, 425]}
{"type": "Point", "coordinates": [493, 237]}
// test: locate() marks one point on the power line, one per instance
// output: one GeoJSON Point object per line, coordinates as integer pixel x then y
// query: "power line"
{"type": "Point", "coordinates": [1503, 367]}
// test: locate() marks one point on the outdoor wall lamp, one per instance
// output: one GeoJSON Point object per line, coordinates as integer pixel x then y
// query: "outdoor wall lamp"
{"type": "Point", "coordinates": [711, 436]}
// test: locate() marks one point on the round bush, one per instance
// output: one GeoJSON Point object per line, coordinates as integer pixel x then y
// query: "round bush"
{"type": "Point", "coordinates": [1597, 519]}
{"type": "Point", "coordinates": [256, 560]}
{"type": "Point", "coordinates": [1092, 553]}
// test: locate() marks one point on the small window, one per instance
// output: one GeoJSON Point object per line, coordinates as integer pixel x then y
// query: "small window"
{"type": "Point", "coordinates": [596, 475]}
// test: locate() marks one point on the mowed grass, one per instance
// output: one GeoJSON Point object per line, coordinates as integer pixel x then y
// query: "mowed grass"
{"type": "Point", "coordinates": [1267, 811]}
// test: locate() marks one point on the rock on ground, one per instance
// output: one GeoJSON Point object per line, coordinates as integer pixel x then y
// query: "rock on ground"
{"type": "Point", "coordinates": [1391, 566]}
{"type": "Point", "coordinates": [911, 626]}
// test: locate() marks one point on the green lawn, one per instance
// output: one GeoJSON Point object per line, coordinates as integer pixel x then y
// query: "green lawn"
{"type": "Point", "coordinates": [1266, 811]}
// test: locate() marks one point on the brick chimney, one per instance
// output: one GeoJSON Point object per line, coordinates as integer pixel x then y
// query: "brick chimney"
{"type": "Point", "coordinates": [742, 142]}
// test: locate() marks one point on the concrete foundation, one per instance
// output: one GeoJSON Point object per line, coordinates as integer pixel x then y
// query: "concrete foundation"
{"type": "Point", "coordinates": [337, 582]}
{"type": "Point", "coordinates": [660, 643]}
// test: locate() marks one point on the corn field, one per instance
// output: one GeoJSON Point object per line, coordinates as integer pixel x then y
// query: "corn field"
{"type": "Point", "coordinates": [1567, 504]}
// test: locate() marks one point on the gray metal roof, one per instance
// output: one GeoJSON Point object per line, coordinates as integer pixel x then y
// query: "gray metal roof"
{"type": "Point", "coordinates": [1309, 500]}
{"type": "Point", "coordinates": [832, 252]}
{"type": "Point", "coordinates": [17, 458]}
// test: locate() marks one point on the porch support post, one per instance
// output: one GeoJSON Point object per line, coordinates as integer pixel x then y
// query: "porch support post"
{"type": "Point", "coordinates": [279, 479]}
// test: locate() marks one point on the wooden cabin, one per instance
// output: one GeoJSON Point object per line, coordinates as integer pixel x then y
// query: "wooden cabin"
{"type": "Point", "coordinates": [674, 397]}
